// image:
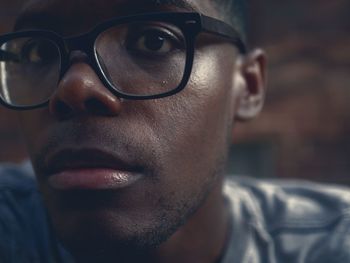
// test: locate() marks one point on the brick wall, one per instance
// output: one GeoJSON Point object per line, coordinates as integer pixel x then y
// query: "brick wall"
{"type": "Point", "coordinates": [307, 112]}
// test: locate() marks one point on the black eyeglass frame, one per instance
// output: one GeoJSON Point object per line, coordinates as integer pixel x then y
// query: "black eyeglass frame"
{"type": "Point", "coordinates": [191, 25]}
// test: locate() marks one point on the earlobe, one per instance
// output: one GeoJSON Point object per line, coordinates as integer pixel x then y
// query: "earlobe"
{"type": "Point", "coordinates": [253, 75]}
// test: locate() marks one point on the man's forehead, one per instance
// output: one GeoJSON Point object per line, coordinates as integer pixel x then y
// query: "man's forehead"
{"type": "Point", "coordinates": [64, 10]}
{"type": "Point", "coordinates": [40, 4]}
{"type": "Point", "coordinates": [93, 6]}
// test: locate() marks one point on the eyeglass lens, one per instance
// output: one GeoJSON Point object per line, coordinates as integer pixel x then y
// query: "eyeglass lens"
{"type": "Point", "coordinates": [139, 58]}
{"type": "Point", "coordinates": [142, 58]}
{"type": "Point", "coordinates": [29, 70]}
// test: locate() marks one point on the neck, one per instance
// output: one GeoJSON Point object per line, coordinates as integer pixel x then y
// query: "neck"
{"type": "Point", "coordinates": [203, 237]}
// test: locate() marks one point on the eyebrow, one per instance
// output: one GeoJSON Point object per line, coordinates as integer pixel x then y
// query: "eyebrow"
{"type": "Point", "coordinates": [34, 17]}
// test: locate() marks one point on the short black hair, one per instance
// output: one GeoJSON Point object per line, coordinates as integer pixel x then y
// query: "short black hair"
{"type": "Point", "coordinates": [234, 12]}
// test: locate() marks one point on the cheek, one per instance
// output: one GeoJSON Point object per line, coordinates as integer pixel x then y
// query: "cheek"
{"type": "Point", "coordinates": [198, 120]}
{"type": "Point", "coordinates": [33, 125]}
{"type": "Point", "coordinates": [209, 96]}
{"type": "Point", "coordinates": [212, 78]}
{"type": "Point", "coordinates": [207, 75]}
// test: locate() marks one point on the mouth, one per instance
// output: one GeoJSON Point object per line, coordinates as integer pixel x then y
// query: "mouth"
{"type": "Point", "coordinates": [90, 169]}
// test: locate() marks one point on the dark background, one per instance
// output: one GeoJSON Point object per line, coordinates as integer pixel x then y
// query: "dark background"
{"type": "Point", "coordinates": [303, 130]}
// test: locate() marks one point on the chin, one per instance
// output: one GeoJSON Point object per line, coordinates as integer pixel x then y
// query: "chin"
{"type": "Point", "coordinates": [102, 242]}
{"type": "Point", "coordinates": [106, 235]}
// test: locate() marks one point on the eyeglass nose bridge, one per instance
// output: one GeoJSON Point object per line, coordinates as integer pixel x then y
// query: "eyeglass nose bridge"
{"type": "Point", "coordinates": [77, 47]}
{"type": "Point", "coordinates": [81, 42]}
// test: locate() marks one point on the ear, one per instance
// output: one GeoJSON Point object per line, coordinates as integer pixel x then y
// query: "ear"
{"type": "Point", "coordinates": [252, 70]}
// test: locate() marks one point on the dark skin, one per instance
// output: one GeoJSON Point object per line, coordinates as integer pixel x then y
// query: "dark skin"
{"type": "Point", "coordinates": [176, 211]}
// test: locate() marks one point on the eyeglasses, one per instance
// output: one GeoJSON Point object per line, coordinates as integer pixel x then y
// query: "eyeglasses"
{"type": "Point", "coordinates": [138, 57]}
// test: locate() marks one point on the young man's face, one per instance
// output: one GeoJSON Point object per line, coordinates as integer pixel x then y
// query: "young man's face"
{"type": "Point", "coordinates": [124, 172]}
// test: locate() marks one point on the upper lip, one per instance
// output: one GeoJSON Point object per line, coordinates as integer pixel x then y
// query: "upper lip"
{"type": "Point", "coordinates": [67, 159]}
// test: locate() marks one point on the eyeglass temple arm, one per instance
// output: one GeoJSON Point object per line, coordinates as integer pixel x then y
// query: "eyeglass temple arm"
{"type": "Point", "coordinates": [217, 27]}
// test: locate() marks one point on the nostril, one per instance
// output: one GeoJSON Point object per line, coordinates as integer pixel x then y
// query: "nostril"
{"type": "Point", "coordinates": [62, 109]}
{"type": "Point", "coordinates": [96, 106]}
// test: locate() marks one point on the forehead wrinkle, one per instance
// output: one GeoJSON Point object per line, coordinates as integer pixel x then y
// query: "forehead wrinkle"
{"type": "Point", "coordinates": [40, 10]}
{"type": "Point", "coordinates": [179, 3]}
{"type": "Point", "coordinates": [47, 3]}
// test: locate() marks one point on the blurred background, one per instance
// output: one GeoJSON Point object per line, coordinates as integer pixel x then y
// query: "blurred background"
{"type": "Point", "coordinates": [302, 132]}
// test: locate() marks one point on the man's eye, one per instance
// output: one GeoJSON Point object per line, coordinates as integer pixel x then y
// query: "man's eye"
{"type": "Point", "coordinates": [39, 52]}
{"type": "Point", "coordinates": [153, 42]}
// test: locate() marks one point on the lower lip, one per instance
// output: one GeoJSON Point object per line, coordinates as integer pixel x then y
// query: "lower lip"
{"type": "Point", "coordinates": [92, 179]}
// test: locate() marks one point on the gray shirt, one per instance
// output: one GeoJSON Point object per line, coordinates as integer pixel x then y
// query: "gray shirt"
{"type": "Point", "coordinates": [288, 222]}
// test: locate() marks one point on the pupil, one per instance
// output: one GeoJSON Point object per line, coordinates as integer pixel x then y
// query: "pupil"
{"type": "Point", "coordinates": [154, 42]}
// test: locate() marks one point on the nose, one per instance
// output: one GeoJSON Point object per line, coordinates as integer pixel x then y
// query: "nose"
{"type": "Point", "coordinates": [80, 91]}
